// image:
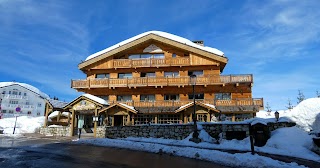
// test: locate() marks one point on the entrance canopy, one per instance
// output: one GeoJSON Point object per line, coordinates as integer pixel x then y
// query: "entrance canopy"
{"type": "Point", "coordinates": [201, 104]}
{"type": "Point", "coordinates": [86, 102]}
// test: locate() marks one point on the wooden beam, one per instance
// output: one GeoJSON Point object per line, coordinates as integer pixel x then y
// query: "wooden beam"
{"type": "Point", "coordinates": [72, 122]}
{"type": "Point", "coordinates": [95, 123]}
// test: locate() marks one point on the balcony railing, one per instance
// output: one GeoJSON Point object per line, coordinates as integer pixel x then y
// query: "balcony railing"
{"type": "Point", "coordinates": [159, 81]}
{"type": "Point", "coordinates": [174, 103]}
{"type": "Point", "coordinates": [15, 97]}
{"type": "Point", "coordinates": [150, 62]}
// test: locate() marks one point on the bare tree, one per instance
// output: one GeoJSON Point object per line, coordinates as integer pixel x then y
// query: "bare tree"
{"type": "Point", "coordinates": [300, 96]}
{"type": "Point", "coordinates": [290, 106]}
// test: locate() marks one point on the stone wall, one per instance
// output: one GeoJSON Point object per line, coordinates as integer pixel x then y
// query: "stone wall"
{"type": "Point", "coordinates": [55, 131]}
{"type": "Point", "coordinates": [180, 131]}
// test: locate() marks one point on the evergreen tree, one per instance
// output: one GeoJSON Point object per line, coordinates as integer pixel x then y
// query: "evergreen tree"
{"type": "Point", "coordinates": [318, 94]}
{"type": "Point", "coordinates": [268, 109]}
{"type": "Point", "coordinates": [289, 107]}
{"type": "Point", "coordinates": [300, 96]}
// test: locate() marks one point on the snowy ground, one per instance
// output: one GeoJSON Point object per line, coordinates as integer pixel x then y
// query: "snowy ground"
{"type": "Point", "coordinates": [294, 141]}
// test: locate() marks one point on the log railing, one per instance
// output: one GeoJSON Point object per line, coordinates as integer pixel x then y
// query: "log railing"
{"type": "Point", "coordinates": [171, 103]}
{"type": "Point", "coordinates": [150, 62]}
{"type": "Point", "coordinates": [159, 81]}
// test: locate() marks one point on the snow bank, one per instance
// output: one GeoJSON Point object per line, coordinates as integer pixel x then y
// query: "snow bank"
{"type": "Point", "coordinates": [25, 124]}
{"type": "Point", "coordinates": [307, 114]}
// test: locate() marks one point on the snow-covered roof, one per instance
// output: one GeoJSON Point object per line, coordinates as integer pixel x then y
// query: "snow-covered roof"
{"type": "Point", "coordinates": [95, 98]}
{"type": "Point", "coordinates": [27, 86]}
{"type": "Point", "coordinates": [130, 107]}
{"type": "Point", "coordinates": [210, 105]}
{"type": "Point", "coordinates": [162, 34]}
{"type": "Point", "coordinates": [55, 113]}
{"type": "Point", "coordinates": [57, 103]}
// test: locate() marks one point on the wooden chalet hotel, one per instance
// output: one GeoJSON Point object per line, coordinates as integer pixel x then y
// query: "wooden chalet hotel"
{"type": "Point", "coordinates": [146, 79]}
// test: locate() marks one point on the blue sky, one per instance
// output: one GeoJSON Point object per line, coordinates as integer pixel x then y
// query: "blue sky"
{"type": "Point", "coordinates": [42, 42]}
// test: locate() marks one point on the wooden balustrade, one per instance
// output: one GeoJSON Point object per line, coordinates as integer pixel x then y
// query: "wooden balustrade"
{"type": "Point", "coordinates": [170, 103]}
{"type": "Point", "coordinates": [150, 62]}
{"type": "Point", "coordinates": [158, 81]}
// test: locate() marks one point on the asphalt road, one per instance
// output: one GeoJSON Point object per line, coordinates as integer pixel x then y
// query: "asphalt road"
{"type": "Point", "coordinates": [48, 152]}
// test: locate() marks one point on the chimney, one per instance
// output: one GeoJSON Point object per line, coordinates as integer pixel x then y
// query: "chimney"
{"type": "Point", "coordinates": [199, 42]}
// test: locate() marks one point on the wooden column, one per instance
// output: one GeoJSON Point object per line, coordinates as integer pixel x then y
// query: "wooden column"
{"type": "Point", "coordinates": [156, 119]}
{"type": "Point", "coordinates": [112, 117]}
{"type": "Point", "coordinates": [208, 117]}
{"type": "Point", "coordinates": [58, 117]}
{"type": "Point", "coordinates": [72, 122]}
{"type": "Point", "coordinates": [47, 114]}
{"type": "Point", "coordinates": [233, 117]}
{"type": "Point", "coordinates": [132, 120]}
{"type": "Point", "coordinates": [185, 119]}
{"type": "Point", "coordinates": [95, 123]}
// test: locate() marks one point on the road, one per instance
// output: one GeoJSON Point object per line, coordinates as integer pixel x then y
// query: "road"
{"type": "Point", "coordinates": [33, 152]}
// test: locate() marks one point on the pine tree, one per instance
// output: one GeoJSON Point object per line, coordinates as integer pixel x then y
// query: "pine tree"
{"type": "Point", "coordinates": [318, 94]}
{"type": "Point", "coordinates": [300, 97]}
{"type": "Point", "coordinates": [268, 109]}
{"type": "Point", "coordinates": [289, 107]}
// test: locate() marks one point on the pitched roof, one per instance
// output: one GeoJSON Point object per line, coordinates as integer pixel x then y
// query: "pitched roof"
{"type": "Point", "coordinates": [156, 35]}
{"type": "Point", "coordinates": [26, 86]}
{"type": "Point", "coordinates": [207, 106]}
{"type": "Point", "coordinates": [122, 105]}
{"type": "Point", "coordinates": [90, 97]}
{"type": "Point", "coordinates": [57, 103]}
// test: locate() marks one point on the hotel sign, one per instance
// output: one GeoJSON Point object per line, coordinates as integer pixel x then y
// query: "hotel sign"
{"type": "Point", "coordinates": [84, 105]}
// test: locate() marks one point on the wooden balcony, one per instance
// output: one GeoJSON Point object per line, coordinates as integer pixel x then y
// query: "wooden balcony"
{"type": "Point", "coordinates": [160, 81]}
{"type": "Point", "coordinates": [150, 62]}
{"type": "Point", "coordinates": [169, 103]}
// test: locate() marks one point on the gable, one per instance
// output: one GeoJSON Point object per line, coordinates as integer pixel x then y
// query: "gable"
{"type": "Point", "coordinates": [116, 50]}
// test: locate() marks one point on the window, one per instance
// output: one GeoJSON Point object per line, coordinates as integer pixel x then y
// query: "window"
{"type": "Point", "coordinates": [144, 119]}
{"type": "Point", "coordinates": [169, 119]}
{"type": "Point", "coordinates": [145, 56]}
{"type": "Point", "coordinates": [222, 96]}
{"type": "Point", "coordinates": [202, 117]}
{"type": "Point", "coordinates": [147, 97]}
{"type": "Point", "coordinates": [27, 103]}
{"type": "Point", "coordinates": [24, 94]}
{"type": "Point", "coordinates": [199, 96]}
{"type": "Point", "coordinates": [10, 111]}
{"type": "Point", "coordinates": [39, 104]}
{"type": "Point", "coordinates": [15, 92]}
{"type": "Point", "coordinates": [19, 93]}
{"type": "Point", "coordinates": [4, 92]}
{"type": "Point", "coordinates": [148, 74]}
{"type": "Point", "coordinates": [171, 97]}
{"type": "Point", "coordinates": [171, 74]}
{"type": "Point", "coordinates": [124, 98]}
{"type": "Point", "coordinates": [124, 75]}
{"type": "Point", "coordinates": [9, 92]}
{"type": "Point", "coordinates": [4, 111]}
{"type": "Point", "coordinates": [29, 112]}
{"type": "Point", "coordinates": [197, 73]}
{"type": "Point", "coordinates": [103, 75]}
{"type": "Point", "coordinates": [13, 102]}
{"type": "Point", "coordinates": [38, 113]}
{"type": "Point", "coordinates": [174, 55]}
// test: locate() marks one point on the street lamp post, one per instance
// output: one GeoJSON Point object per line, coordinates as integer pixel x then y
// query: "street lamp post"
{"type": "Point", "coordinates": [195, 138]}
{"type": "Point", "coordinates": [276, 114]}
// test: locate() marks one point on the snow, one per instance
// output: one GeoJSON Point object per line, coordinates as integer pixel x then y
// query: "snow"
{"type": "Point", "coordinates": [211, 105]}
{"type": "Point", "coordinates": [95, 98]}
{"type": "Point", "coordinates": [27, 86]}
{"type": "Point", "coordinates": [306, 114]}
{"type": "Point", "coordinates": [56, 113]}
{"type": "Point", "coordinates": [185, 105]}
{"type": "Point", "coordinates": [130, 107]}
{"type": "Point", "coordinates": [25, 124]}
{"type": "Point", "coordinates": [162, 34]}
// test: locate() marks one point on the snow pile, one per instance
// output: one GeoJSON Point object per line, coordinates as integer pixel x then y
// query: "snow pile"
{"type": "Point", "coordinates": [162, 34]}
{"type": "Point", "coordinates": [165, 146]}
{"type": "Point", "coordinates": [27, 86]}
{"type": "Point", "coordinates": [307, 114]}
{"type": "Point", "coordinates": [56, 113]}
{"type": "Point", "coordinates": [25, 124]}
{"type": "Point", "coordinates": [292, 141]}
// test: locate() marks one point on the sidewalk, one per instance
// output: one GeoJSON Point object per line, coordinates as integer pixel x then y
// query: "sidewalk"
{"type": "Point", "coordinates": [287, 159]}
